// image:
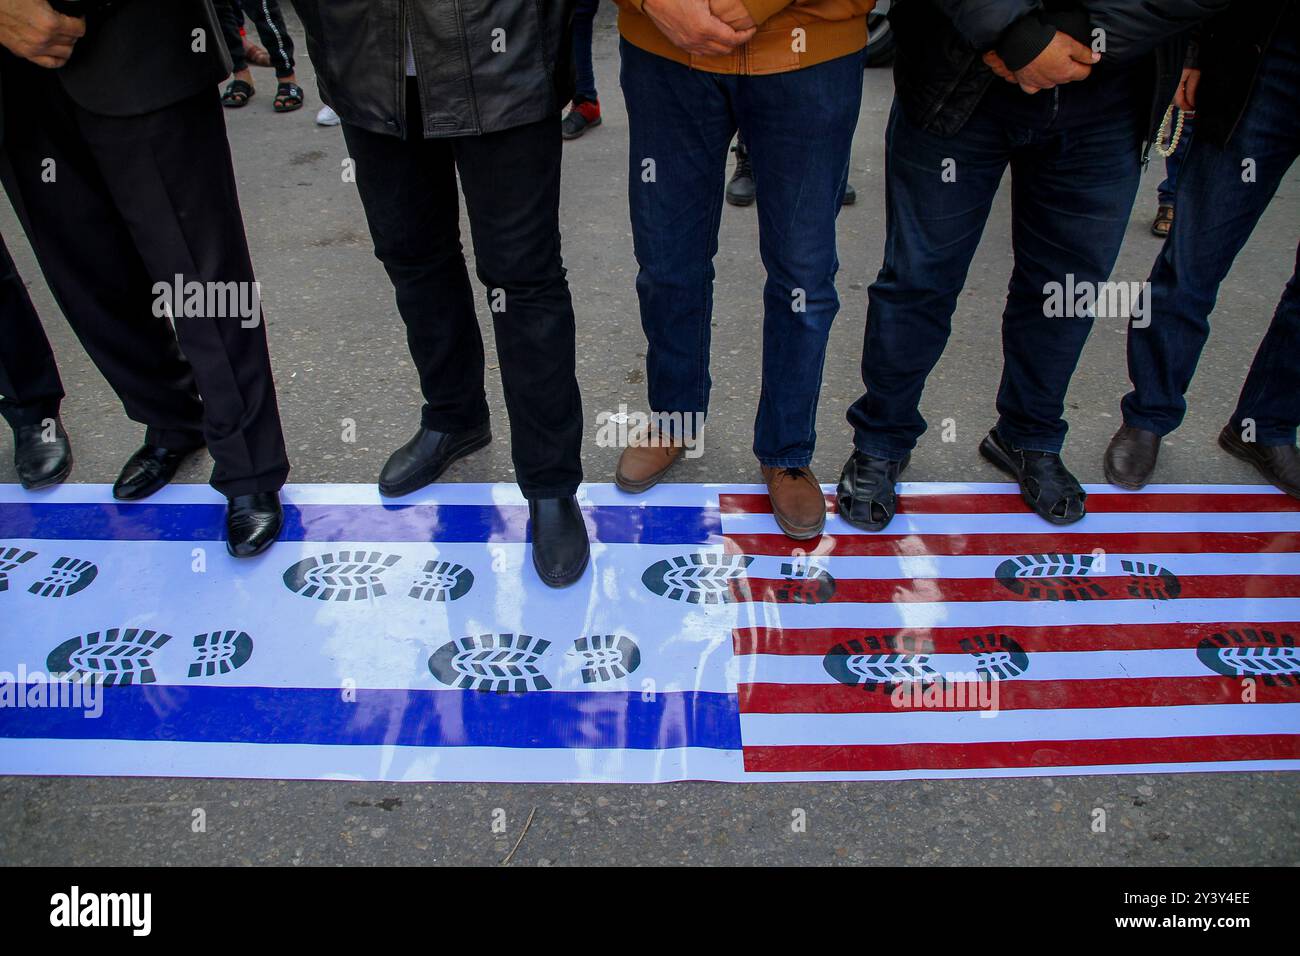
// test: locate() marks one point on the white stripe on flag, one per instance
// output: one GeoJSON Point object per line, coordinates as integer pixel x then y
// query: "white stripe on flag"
{"type": "Point", "coordinates": [1025, 523]}
{"type": "Point", "coordinates": [969, 727]}
{"type": "Point", "coordinates": [1043, 665]}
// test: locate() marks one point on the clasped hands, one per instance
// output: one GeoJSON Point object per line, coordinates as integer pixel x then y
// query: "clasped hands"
{"type": "Point", "coordinates": [702, 27]}
{"type": "Point", "coordinates": [1064, 60]}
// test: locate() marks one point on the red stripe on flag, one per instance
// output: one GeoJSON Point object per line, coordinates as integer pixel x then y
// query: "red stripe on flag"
{"type": "Point", "coordinates": [1021, 754]}
{"type": "Point", "coordinates": [917, 590]}
{"type": "Point", "coordinates": [1011, 695]}
{"type": "Point", "coordinates": [1049, 540]}
{"type": "Point", "coordinates": [817, 641]}
{"type": "Point", "coordinates": [1011, 503]}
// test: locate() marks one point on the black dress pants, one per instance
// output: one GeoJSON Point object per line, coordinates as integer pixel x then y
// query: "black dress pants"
{"type": "Point", "coordinates": [511, 181]}
{"type": "Point", "coordinates": [114, 206]}
{"type": "Point", "coordinates": [30, 390]}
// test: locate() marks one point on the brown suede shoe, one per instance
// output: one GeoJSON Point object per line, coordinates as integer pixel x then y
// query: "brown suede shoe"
{"type": "Point", "coordinates": [642, 464]}
{"type": "Point", "coordinates": [797, 501]}
{"type": "Point", "coordinates": [1131, 457]}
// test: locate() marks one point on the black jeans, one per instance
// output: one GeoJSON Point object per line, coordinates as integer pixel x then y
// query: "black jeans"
{"type": "Point", "coordinates": [140, 200]}
{"type": "Point", "coordinates": [511, 181]}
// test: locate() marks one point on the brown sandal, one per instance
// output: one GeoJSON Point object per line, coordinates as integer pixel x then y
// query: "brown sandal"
{"type": "Point", "coordinates": [1164, 221]}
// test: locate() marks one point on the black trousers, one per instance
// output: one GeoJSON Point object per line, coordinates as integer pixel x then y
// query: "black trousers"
{"type": "Point", "coordinates": [30, 390]}
{"type": "Point", "coordinates": [511, 181]}
{"type": "Point", "coordinates": [113, 205]}
{"type": "Point", "coordinates": [268, 19]}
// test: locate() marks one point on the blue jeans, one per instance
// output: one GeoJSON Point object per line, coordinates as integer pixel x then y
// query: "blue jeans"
{"type": "Point", "coordinates": [1173, 163]}
{"type": "Point", "coordinates": [1075, 166]}
{"type": "Point", "coordinates": [798, 127]}
{"type": "Point", "coordinates": [1217, 212]}
{"type": "Point", "coordinates": [583, 15]}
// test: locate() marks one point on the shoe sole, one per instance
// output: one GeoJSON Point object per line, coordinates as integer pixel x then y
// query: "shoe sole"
{"type": "Point", "coordinates": [1238, 449]}
{"type": "Point", "coordinates": [115, 656]}
{"type": "Point", "coordinates": [345, 575]}
{"type": "Point", "coordinates": [606, 657]}
{"type": "Point", "coordinates": [637, 487]}
{"type": "Point", "coordinates": [422, 478]}
{"type": "Point", "coordinates": [592, 124]}
{"type": "Point", "coordinates": [492, 663]}
{"type": "Point", "coordinates": [1272, 658]}
{"type": "Point", "coordinates": [993, 455]}
{"type": "Point", "coordinates": [220, 652]}
{"type": "Point", "coordinates": [66, 577]}
{"type": "Point", "coordinates": [740, 202]}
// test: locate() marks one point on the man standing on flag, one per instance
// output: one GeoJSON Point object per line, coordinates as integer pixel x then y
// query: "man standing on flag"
{"type": "Point", "coordinates": [1245, 90]}
{"type": "Point", "coordinates": [1071, 123]}
{"type": "Point", "coordinates": [427, 90]}
{"type": "Point", "coordinates": [116, 159]}
{"type": "Point", "coordinates": [788, 75]}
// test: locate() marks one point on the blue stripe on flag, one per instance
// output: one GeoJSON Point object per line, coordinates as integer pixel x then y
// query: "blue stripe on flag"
{"type": "Point", "coordinates": [658, 524]}
{"type": "Point", "coordinates": [598, 720]}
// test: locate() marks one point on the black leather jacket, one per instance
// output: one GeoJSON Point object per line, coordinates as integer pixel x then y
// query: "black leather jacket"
{"type": "Point", "coordinates": [1231, 48]}
{"type": "Point", "coordinates": [940, 76]}
{"type": "Point", "coordinates": [482, 65]}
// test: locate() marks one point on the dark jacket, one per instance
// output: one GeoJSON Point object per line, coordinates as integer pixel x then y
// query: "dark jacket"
{"type": "Point", "coordinates": [940, 76]}
{"type": "Point", "coordinates": [482, 65]}
{"type": "Point", "coordinates": [140, 56]}
{"type": "Point", "coordinates": [1230, 49]}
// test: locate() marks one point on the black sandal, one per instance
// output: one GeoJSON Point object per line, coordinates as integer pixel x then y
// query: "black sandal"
{"type": "Point", "coordinates": [1045, 484]}
{"type": "Point", "coordinates": [288, 97]}
{"type": "Point", "coordinates": [237, 94]}
{"type": "Point", "coordinates": [866, 496]}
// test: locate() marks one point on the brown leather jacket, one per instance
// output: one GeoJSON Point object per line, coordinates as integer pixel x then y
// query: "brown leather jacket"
{"type": "Point", "coordinates": [792, 34]}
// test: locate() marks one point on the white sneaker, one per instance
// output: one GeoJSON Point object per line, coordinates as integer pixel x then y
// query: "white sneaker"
{"type": "Point", "coordinates": [327, 117]}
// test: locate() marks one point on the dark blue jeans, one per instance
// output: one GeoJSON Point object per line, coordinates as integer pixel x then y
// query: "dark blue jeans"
{"type": "Point", "coordinates": [1217, 212]}
{"type": "Point", "coordinates": [798, 127]}
{"type": "Point", "coordinates": [1169, 185]}
{"type": "Point", "coordinates": [1075, 166]}
{"type": "Point", "coordinates": [583, 15]}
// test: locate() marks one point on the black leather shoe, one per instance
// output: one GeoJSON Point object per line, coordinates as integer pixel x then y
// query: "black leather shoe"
{"type": "Point", "coordinates": [1046, 485]}
{"type": "Point", "coordinates": [149, 469]}
{"type": "Point", "coordinates": [41, 463]}
{"type": "Point", "coordinates": [560, 545]}
{"type": "Point", "coordinates": [1131, 457]}
{"type": "Point", "coordinates": [253, 522]}
{"type": "Point", "coordinates": [1280, 464]}
{"type": "Point", "coordinates": [426, 456]}
{"type": "Point", "coordinates": [865, 496]}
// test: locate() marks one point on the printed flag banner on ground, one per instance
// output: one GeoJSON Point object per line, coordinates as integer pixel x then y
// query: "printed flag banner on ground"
{"type": "Point", "coordinates": [411, 640]}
